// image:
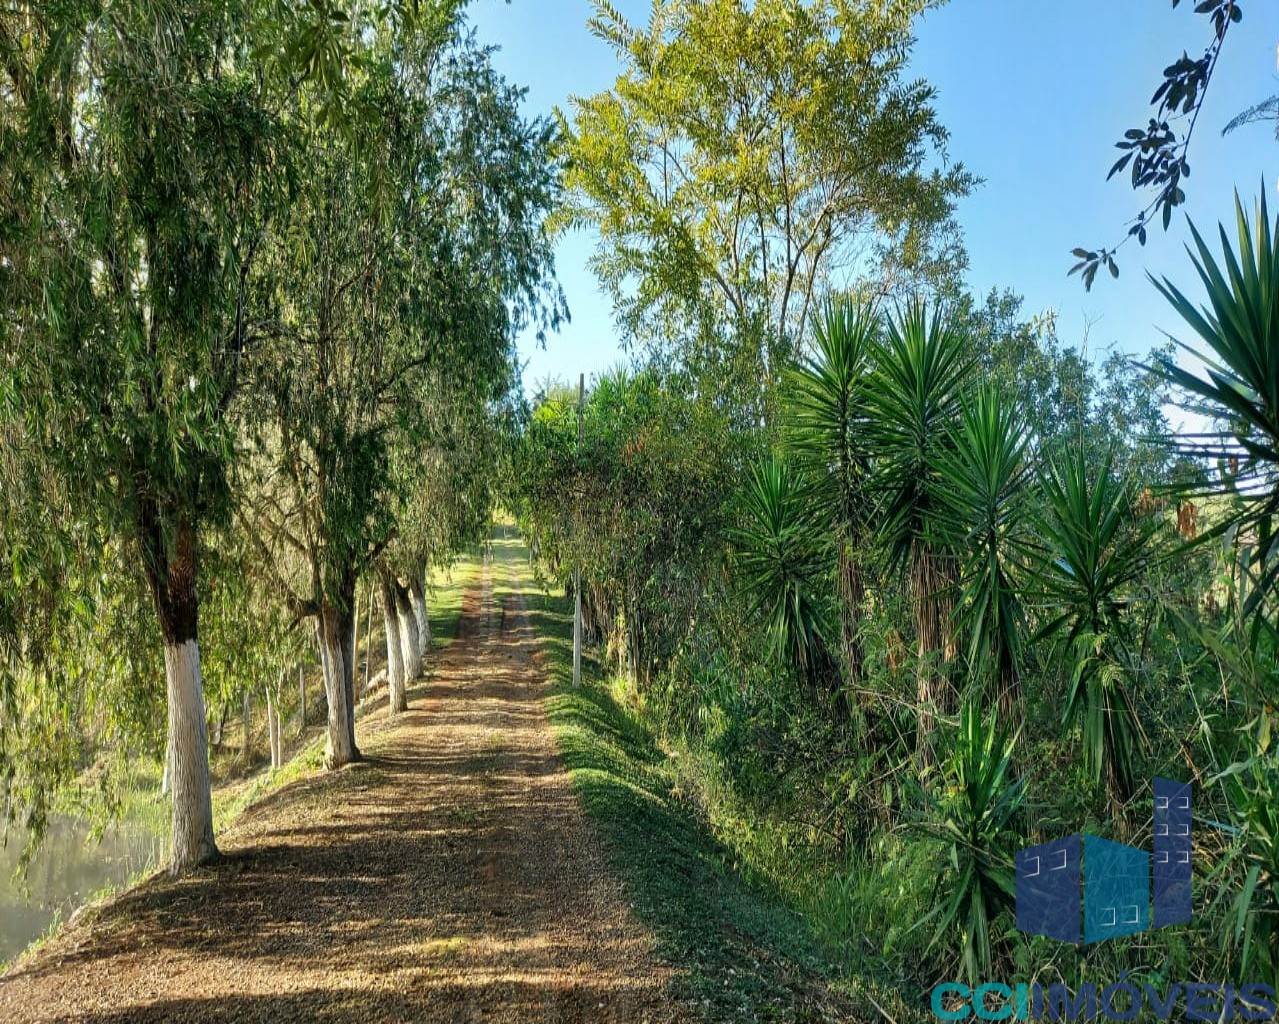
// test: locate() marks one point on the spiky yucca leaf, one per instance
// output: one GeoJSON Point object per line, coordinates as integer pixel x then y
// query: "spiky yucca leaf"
{"type": "Point", "coordinates": [921, 370]}
{"type": "Point", "coordinates": [826, 407]}
{"type": "Point", "coordinates": [972, 820]}
{"type": "Point", "coordinates": [984, 477]}
{"type": "Point", "coordinates": [1096, 553]}
{"type": "Point", "coordinates": [1240, 380]}
{"type": "Point", "coordinates": [825, 430]}
{"type": "Point", "coordinates": [779, 543]}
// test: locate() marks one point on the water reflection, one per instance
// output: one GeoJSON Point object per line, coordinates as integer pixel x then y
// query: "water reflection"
{"type": "Point", "coordinates": [66, 872]}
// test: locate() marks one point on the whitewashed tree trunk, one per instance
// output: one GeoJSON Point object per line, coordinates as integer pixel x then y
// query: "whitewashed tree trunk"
{"type": "Point", "coordinates": [341, 747]}
{"type": "Point", "coordinates": [408, 634]}
{"type": "Point", "coordinates": [273, 727]}
{"type": "Point", "coordinates": [270, 726]}
{"type": "Point", "coordinates": [166, 781]}
{"type": "Point", "coordinates": [417, 594]}
{"type": "Point", "coordinates": [395, 681]}
{"type": "Point", "coordinates": [192, 840]}
{"type": "Point", "coordinates": [368, 639]}
{"type": "Point", "coordinates": [346, 628]}
{"type": "Point", "coordinates": [246, 748]}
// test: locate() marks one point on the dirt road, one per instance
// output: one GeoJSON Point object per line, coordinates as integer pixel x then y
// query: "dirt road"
{"type": "Point", "coordinates": [452, 877]}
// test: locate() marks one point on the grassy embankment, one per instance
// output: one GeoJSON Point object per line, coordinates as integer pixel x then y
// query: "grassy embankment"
{"type": "Point", "coordinates": [745, 955]}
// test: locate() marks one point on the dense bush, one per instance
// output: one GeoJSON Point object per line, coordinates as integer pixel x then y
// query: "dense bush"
{"type": "Point", "coordinates": [936, 609]}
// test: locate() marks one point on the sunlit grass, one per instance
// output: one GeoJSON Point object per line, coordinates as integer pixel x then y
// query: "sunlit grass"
{"type": "Point", "coordinates": [743, 955]}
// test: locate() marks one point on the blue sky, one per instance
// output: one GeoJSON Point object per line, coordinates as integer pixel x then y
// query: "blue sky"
{"type": "Point", "coordinates": [1034, 93]}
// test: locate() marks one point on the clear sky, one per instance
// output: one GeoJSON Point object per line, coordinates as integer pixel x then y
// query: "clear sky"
{"type": "Point", "coordinates": [1034, 93]}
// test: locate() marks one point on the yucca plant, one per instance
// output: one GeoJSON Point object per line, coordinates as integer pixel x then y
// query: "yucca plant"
{"type": "Point", "coordinates": [1240, 382]}
{"type": "Point", "coordinates": [779, 546]}
{"type": "Point", "coordinates": [972, 820]}
{"type": "Point", "coordinates": [825, 430]}
{"type": "Point", "coordinates": [1095, 555]}
{"type": "Point", "coordinates": [922, 367]}
{"type": "Point", "coordinates": [984, 475]}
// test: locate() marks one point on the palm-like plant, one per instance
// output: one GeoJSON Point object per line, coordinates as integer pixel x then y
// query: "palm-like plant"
{"type": "Point", "coordinates": [921, 369]}
{"type": "Point", "coordinates": [826, 400]}
{"type": "Point", "coordinates": [985, 474]}
{"type": "Point", "coordinates": [972, 820]}
{"type": "Point", "coordinates": [1240, 384]}
{"type": "Point", "coordinates": [779, 547]}
{"type": "Point", "coordinates": [1240, 326]}
{"type": "Point", "coordinates": [1095, 555]}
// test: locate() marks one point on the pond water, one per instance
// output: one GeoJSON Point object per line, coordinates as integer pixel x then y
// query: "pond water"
{"type": "Point", "coordinates": [68, 869]}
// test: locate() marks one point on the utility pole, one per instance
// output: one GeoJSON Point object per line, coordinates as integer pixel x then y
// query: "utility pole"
{"type": "Point", "coordinates": [577, 569]}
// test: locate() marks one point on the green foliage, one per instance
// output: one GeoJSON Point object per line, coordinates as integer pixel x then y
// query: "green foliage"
{"type": "Point", "coordinates": [973, 821]}
{"type": "Point", "coordinates": [921, 371]}
{"type": "Point", "coordinates": [1240, 384]}
{"type": "Point", "coordinates": [1157, 155]}
{"type": "Point", "coordinates": [985, 481]}
{"type": "Point", "coordinates": [636, 505]}
{"type": "Point", "coordinates": [1251, 922]}
{"type": "Point", "coordinates": [777, 561]}
{"type": "Point", "coordinates": [745, 151]}
{"type": "Point", "coordinates": [825, 411]}
{"type": "Point", "coordinates": [259, 259]}
{"type": "Point", "coordinates": [1094, 558]}
{"type": "Point", "coordinates": [409, 258]}
{"type": "Point", "coordinates": [1239, 387]}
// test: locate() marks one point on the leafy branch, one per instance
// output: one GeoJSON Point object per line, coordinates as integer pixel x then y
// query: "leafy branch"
{"type": "Point", "coordinates": [1157, 153]}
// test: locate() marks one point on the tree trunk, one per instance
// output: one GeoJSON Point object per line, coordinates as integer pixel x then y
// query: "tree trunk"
{"type": "Point", "coordinates": [577, 627]}
{"type": "Point", "coordinates": [192, 840]}
{"type": "Point", "coordinates": [171, 566]}
{"type": "Point", "coordinates": [395, 681]}
{"type": "Point", "coordinates": [279, 729]}
{"type": "Point", "coordinates": [355, 617]}
{"type": "Point", "coordinates": [301, 702]}
{"type": "Point", "coordinates": [933, 610]}
{"type": "Point", "coordinates": [270, 728]}
{"type": "Point", "coordinates": [340, 747]}
{"type": "Point", "coordinates": [853, 592]}
{"type": "Point", "coordinates": [368, 638]}
{"type": "Point", "coordinates": [246, 724]}
{"type": "Point", "coordinates": [417, 594]}
{"type": "Point", "coordinates": [408, 634]}
{"type": "Point", "coordinates": [346, 622]}
{"type": "Point", "coordinates": [166, 781]}
{"type": "Point", "coordinates": [219, 727]}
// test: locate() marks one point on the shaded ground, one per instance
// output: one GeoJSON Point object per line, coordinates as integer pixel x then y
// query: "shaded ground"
{"type": "Point", "coordinates": [452, 877]}
{"type": "Point", "coordinates": [745, 956]}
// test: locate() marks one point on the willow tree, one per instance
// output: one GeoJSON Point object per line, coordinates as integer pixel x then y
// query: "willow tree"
{"type": "Point", "coordinates": [414, 250]}
{"type": "Point", "coordinates": [744, 153]}
{"type": "Point", "coordinates": [137, 173]}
